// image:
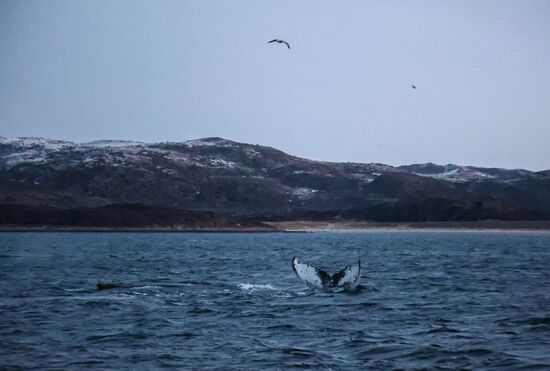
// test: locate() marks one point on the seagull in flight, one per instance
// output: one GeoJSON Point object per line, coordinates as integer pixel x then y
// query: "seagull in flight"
{"type": "Point", "coordinates": [280, 42]}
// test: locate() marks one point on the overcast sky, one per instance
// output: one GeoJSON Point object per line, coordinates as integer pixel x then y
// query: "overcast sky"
{"type": "Point", "coordinates": [178, 70]}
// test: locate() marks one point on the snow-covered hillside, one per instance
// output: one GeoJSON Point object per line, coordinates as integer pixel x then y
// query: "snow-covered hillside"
{"type": "Point", "coordinates": [221, 175]}
{"type": "Point", "coordinates": [194, 169]}
{"type": "Point", "coordinates": [457, 173]}
{"type": "Point", "coordinates": [216, 153]}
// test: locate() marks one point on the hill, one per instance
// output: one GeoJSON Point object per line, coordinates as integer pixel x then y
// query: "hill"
{"type": "Point", "coordinates": [256, 182]}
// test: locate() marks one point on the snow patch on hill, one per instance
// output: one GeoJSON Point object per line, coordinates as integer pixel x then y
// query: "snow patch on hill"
{"type": "Point", "coordinates": [112, 143]}
{"type": "Point", "coordinates": [36, 142]}
{"type": "Point", "coordinates": [209, 142]}
{"type": "Point", "coordinates": [30, 157]}
{"type": "Point", "coordinates": [303, 192]}
{"type": "Point", "coordinates": [220, 162]}
{"type": "Point", "coordinates": [457, 173]}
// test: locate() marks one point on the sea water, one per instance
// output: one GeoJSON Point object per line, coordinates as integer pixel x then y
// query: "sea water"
{"type": "Point", "coordinates": [231, 301]}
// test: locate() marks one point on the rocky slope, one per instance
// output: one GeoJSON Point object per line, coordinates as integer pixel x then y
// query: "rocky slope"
{"type": "Point", "coordinates": [222, 176]}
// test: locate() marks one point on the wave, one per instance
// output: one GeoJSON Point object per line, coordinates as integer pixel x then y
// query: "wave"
{"type": "Point", "coordinates": [82, 289]}
{"type": "Point", "coordinates": [531, 320]}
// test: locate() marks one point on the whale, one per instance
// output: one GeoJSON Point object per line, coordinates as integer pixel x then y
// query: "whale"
{"type": "Point", "coordinates": [347, 278]}
{"type": "Point", "coordinates": [109, 285]}
{"type": "Point", "coordinates": [114, 285]}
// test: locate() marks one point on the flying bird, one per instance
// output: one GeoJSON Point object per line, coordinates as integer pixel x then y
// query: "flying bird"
{"type": "Point", "coordinates": [280, 42]}
{"type": "Point", "coordinates": [414, 87]}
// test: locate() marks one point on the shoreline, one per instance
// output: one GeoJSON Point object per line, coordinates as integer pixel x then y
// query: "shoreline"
{"type": "Point", "coordinates": [489, 226]}
{"type": "Point", "coordinates": [51, 229]}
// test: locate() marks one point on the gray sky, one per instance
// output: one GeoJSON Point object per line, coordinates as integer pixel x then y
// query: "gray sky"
{"type": "Point", "coordinates": [177, 70]}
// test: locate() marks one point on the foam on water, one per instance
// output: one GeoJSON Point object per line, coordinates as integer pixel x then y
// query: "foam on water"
{"type": "Point", "coordinates": [255, 287]}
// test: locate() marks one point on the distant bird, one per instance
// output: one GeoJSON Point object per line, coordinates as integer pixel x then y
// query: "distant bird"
{"type": "Point", "coordinates": [414, 87]}
{"type": "Point", "coordinates": [279, 41]}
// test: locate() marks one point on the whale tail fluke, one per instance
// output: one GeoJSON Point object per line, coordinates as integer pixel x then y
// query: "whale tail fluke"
{"type": "Point", "coordinates": [312, 276]}
{"type": "Point", "coordinates": [347, 278]}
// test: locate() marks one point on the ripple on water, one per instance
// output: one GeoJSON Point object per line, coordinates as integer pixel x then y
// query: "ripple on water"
{"type": "Point", "coordinates": [213, 301]}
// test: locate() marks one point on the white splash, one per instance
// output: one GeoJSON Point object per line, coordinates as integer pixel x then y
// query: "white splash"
{"type": "Point", "coordinates": [255, 287]}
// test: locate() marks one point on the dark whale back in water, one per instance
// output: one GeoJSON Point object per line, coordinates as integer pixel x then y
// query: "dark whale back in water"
{"type": "Point", "coordinates": [347, 278]}
{"type": "Point", "coordinates": [108, 285]}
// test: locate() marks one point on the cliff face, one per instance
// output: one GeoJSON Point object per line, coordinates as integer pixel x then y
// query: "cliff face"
{"type": "Point", "coordinates": [222, 176]}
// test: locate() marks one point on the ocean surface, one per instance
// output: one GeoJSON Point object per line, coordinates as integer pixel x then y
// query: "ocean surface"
{"type": "Point", "coordinates": [428, 300]}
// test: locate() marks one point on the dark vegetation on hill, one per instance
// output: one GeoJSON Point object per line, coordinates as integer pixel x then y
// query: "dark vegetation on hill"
{"type": "Point", "coordinates": [119, 216]}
